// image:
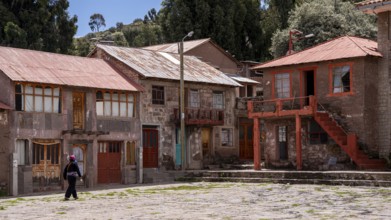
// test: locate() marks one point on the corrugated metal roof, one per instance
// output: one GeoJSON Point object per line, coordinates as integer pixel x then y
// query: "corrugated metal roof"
{"type": "Point", "coordinates": [166, 65]}
{"type": "Point", "coordinates": [339, 48]}
{"type": "Point", "coordinates": [368, 2]}
{"type": "Point", "coordinates": [173, 47]}
{"type": "Point", "coordinates": [50, 68]}
{"type": "Point", "coordinates": [4, 106]}
{"type": "Point", "coordinates": [242, 79]}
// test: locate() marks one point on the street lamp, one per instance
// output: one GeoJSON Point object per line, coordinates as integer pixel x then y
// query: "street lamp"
{"type": "Point", "coordinates": [296, 33]}
{"type": "Point", "coordinates": [182, 101]}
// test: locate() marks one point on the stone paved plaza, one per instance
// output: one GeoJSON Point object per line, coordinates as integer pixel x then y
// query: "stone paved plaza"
{"type": "Point", "coordinates": [208, 201]}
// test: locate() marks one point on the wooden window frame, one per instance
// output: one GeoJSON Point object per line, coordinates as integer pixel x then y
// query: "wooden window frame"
{"type": "Point", "coordinates": [274, 74]}
{"type": "Point", "coordinates": [314, 137]}
{"type": "Point", "coordinates": [112, 102]}
{"type": "Point", "coordinates": [218, 106]}
{"type": "Point", "coordinates": [36, 96]}
{"type": "Point", "coordinates": [194, 104]}
{"type": "Point", "coordinates": [331, 83]}
{"type": "Point", "coordinates": [110, 146]}
{"type": "Point", "coordinates": [23, 159]}
{"type": "Point", "coordinates": [159, 90]}
{"type": "Point", "coordinates": [130, 153]}
{"type": "Point", "coordinates": [230, 142]}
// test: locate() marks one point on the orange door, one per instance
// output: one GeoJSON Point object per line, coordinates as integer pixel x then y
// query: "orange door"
{"type": "Point", "coordinates": [150, 147]}
{"type": "Point", "coordinates": [78, 110]}
{"type": "Point", "coordinates": [109, 158]}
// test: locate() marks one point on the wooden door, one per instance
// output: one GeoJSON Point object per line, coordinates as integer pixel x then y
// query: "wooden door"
{"type": "Point", "coordinates": [206, 146]}
{"type": "Point", "coordinates": [282, 143]}
{"type": "Point", "coordinates": [150, 147]}
{"type": "Point", "coordinates": [78, 110]}
{"type": "Point", "coordinates": [246, 141]}
{"type": "Point", "coordinates": [46, 166]}
{"type": "Point", "coordinates": [109, 159]}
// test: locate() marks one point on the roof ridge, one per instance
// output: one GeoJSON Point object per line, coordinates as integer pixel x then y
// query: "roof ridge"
{"type": "Point", "coordinates": [47, 52]}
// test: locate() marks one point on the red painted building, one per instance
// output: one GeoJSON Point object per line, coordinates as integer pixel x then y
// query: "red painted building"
{"type": "Point", "coordinates": [319, 108]}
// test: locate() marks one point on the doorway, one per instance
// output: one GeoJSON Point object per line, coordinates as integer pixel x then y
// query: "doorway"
{"type": "Point", "coordinates": [78, 110]}
{"type": "Point", "coordinates": [282, 143]}
{"type": "Point", "coordinates": [46, 166]}
{"type": "Point", "coordinates": [308, 84]}
{"type": "Point", "coordinates": [109, 159]}
{"type": "Point", "coordinates": [246, 139]}
{"type": "Point", "coordinates": [206, 143]}
{"type": "Point", "coordinates": [150, 146]}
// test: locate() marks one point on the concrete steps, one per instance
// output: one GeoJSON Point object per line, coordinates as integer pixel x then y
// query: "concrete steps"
{"type": "Point", "coordinates": [351, 178]}
{"type": "Point", "coordinates": [154, 175]}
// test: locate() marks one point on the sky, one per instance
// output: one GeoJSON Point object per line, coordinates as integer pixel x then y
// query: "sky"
{"type": "Point", "coordinates": [113, 11]}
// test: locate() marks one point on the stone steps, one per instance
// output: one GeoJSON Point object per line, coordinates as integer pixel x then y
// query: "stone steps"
{"type": "Point", "coordinates": [351, 178]}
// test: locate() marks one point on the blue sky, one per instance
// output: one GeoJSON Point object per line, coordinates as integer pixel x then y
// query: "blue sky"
{"type": "Point", "coordinates": [113, 11]}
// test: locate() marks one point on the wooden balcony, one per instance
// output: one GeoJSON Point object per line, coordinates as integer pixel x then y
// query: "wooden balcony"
{"type": "Point", "coordinates": [287, 107]}
{"type": "Point", "coordinates": [200, 116]}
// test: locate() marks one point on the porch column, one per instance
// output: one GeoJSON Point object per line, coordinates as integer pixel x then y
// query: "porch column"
{"type": "Point", "coordinates": [257, 145]}
{"type": "Point", "coordinates": [298, 143]}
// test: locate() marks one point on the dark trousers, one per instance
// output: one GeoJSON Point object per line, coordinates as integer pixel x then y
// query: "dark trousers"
{"type": "Point", "coordinates": [71, 187]}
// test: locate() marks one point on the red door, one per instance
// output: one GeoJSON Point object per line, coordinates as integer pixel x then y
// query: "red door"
{"type": "Point", "coordinates": [150, 147]}
{"type": "Point", "coordinates": [109, 158]}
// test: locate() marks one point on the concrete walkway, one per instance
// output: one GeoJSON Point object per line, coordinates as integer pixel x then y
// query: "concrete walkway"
{"type": "Point", "coordinates": [208, 201]}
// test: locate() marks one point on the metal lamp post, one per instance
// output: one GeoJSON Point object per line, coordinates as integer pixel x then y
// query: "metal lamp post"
{"type": "Point", "coordinates": [182, 101]}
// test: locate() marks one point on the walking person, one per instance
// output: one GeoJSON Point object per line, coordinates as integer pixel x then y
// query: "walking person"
{"type": "Point", "coordinates": [70, 173]}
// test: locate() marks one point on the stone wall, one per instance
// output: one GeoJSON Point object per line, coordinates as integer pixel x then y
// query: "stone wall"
{"type": "Point", "coordinates": [384, 95]}
{"type": "Point", "coordinates": [314, 156]}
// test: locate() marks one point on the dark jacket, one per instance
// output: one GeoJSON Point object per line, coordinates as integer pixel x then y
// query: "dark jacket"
{"type": "Point", "coordinates": [72, 169]}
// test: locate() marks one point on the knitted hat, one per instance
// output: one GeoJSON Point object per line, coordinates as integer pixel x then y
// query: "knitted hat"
{"type": "Point", "coordinates": [72, 158]}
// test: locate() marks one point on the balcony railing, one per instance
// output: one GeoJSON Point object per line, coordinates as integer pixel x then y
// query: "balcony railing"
{"type": "Point", "coordinates": [200, 116]}
{"type": "Point", "coordinates": [241, 102]}
{"type": "Point", "coordinates": [282, 107]}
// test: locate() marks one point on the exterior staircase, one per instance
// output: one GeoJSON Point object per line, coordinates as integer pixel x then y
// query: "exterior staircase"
{"type": "Point", "coordinates": [348, 142]}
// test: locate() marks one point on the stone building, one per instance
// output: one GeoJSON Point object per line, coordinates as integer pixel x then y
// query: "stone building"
{"type": "Point", "coordinates": [54, 105]}
{"type": "Point", "coordinates": [319, 107]}
{"type": "Point", "coordinates": [209, 111]}
{"type": "Point", "coordinates": [382, 9]}
{"type": "Point", "coordinates": [210, 52]}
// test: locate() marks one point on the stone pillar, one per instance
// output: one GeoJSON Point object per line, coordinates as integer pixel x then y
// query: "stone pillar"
{"type": "Point", "coordinates": [257, 145]}
{"type": "Point", "coordinates": [14, 175]}
{"type": "Point", "coordinates": [299, 165]}
{"type": "Point", "coordinates": [384, 96]}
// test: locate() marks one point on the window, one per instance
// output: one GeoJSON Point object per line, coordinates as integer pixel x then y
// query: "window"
{"type": "Point", "coordinates": [242, 91]}
{"type": "Point", "coordinates": [194, 98]}
{"type": "Point", "coordinates": [218, 100]}
{"type": "Point", "coordinates": [116, 104]}
{"type": "Point", "coordinates": [47, 153]}
{"type": "Point", "coordinates": [158, 95]}
{"type": "Point", "coordinates": [110, 147]}
{"type": "Point", "coordinates": [131, 153]}
{"type": "Point", "coordinates": [249, 91]}
{"type": "Point", "coordinates": [282, 133]}
{"type": "Point", "coordinates": [341, 79]}
{"type": "Point", "coordinates": [226, 137]}
{"type": "Point", "coordinates": [316, 134]}
{"type": "Point", "coordinates": [22, 151]}
{"type": "Point", "coordinates": [37, 98]}
{"type": "Point", "coordinates": [282, 85]}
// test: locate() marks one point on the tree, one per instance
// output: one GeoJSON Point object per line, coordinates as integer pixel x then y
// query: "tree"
{"type": "Point", "coordinates": [320, 18]}
{"type": "Point", "coordinates": [234, 24]}
{"type": "Point", "coordinates": [46, 24]}
{"type": "Point", "coordinates": [96, 21]}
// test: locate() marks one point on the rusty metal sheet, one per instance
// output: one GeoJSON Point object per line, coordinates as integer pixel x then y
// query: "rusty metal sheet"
{"type": "Point", "coordinates": [167, 66]}
{"type": "Point", "coordinates": [173, 47]}
{"type": "Point", "coordinates": [50, 68]}
{"type": "Point", "coordinates": [339, 48]}
{"type": "Point", "coordinates": [242, 79]}
{"type": "Point", "coordinates": [368, 2]}
{"type": "Point", "coordinates": [4, 106]}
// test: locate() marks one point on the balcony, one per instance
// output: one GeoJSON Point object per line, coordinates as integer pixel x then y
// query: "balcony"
{"type": "Point", "coordinates": [286, 107]}
{"type": "Point", "coordinates": [200, 116]}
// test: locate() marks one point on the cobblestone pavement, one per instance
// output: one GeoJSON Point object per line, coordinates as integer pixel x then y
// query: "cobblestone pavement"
{"type": "Point", "coordinates": [208, 201]}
